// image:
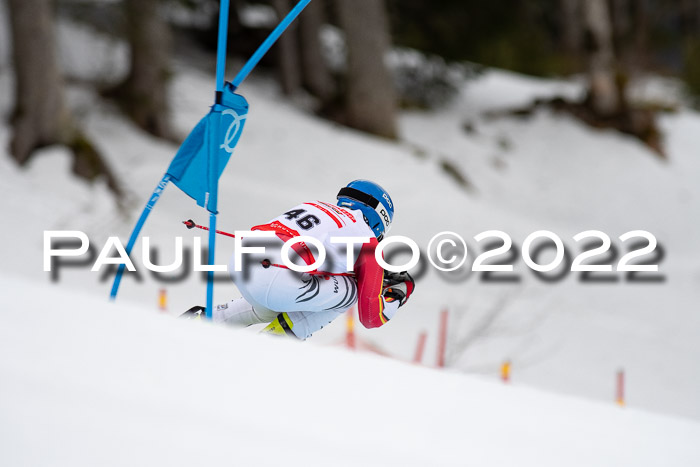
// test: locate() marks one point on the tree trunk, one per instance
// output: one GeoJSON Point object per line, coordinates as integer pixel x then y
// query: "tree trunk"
{"type": "Point", "coordinates": [621, 20]}
{"type": "Point", "coordinates": [316, 76]}
{"type": "Point", "coordinates": [572, 30]}
{"type": "Point", "coordinates": [370, 98]}
{"type": "Point", "coordinates": [604, 96]}
{"type": "Point", "coordinates": [689, 15]}
{"type": "Point", "coordinates": [690, 29]}
{"type": "Point", "coordinates": [641, 33]}
{"type": "Point", "coordinates": [288, 52]}
{"type": "Point", "coordinates": [41, 116]}
{"type": "Point", "coordinates": [143, 95]}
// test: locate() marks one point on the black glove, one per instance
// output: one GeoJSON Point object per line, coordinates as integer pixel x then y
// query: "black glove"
{"type": "Point", "coordinates": [397, 286]}
{"type": "Point", "coordinates": [392, 278]}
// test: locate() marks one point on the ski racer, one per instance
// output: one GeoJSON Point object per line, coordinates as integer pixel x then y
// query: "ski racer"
{"type": "Point", "coordinates": [299, 304]}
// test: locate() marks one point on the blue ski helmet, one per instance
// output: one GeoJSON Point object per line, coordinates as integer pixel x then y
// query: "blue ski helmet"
{"type": "Point", "coordinates": [374, 202]}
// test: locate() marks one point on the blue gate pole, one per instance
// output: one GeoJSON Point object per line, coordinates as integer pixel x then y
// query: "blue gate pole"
{"type": "Point", "coordinates": [211, 259]}
{"type": "Point", "coordinates": [221, 48]}
{"type": "Point", "coordinates": [137, 229]}
{"type": "Point", "coordinates": [265, 46]}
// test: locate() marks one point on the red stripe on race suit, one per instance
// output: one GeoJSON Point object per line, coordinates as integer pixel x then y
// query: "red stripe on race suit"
{"type": "Point", "coordinates": [330, 214]}
{"type": "Point", "coordinates": [341, 211]}
{"type": "Point", "coordinates": [284, 233]}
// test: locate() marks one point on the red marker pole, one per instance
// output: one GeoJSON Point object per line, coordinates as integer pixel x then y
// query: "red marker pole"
{"type": "Point", "coordinates": [442, 340]}
{"type": "Point", "coordinates": [420, 347]}
{"type": "Point", "coordinates": [620, 390]}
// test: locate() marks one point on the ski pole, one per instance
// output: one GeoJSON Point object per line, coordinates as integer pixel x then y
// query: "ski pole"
{"type": "Point", "coordinates": [191, 225]}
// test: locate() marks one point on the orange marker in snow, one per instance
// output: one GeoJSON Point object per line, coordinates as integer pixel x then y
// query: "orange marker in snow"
{"type": "Point", "coordinates": [350, 329]}
{"type": "Point", "coordinates": [162, 300]}
{"type": "Point", "coordinates": [505, 371]}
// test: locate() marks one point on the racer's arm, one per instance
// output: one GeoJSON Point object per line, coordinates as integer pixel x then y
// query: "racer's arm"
{"type": "Point", "coordinates": [373, 309]}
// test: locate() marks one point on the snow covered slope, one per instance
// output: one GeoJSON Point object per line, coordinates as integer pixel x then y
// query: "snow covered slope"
{"type": "Point", "coordinates": [85, 383]}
